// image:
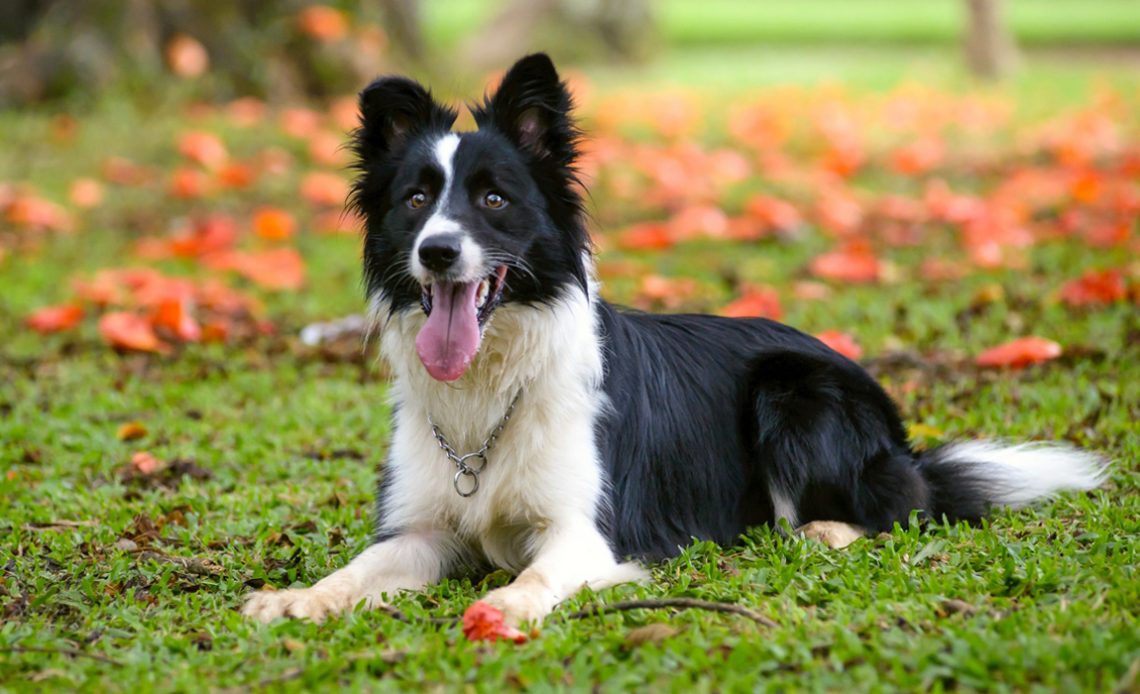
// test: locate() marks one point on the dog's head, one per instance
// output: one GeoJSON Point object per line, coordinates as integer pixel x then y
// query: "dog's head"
{"type": "Point", "coordinates": [461, 223]}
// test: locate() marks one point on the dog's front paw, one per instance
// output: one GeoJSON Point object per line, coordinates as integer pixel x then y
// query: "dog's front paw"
{"type": "Point", "coordinates": [520, 606]}
{"type": "Point", "coordinates": [301, 603]}
{"type": "Point", "coordinates": [834, 534]}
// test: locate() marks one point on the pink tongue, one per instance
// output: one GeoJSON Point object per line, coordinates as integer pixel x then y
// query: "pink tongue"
{"type": "Point", "coordinates": [448, 341]}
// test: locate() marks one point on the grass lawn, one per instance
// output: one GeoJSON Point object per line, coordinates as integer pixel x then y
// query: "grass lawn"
{"type": "Point", "coordinates": [814, 22]}
{"type": "Point", "coordinates": [111, 581]}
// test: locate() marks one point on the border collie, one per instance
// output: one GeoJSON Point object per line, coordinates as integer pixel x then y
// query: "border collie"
{"type": "Point", "coordinates": [539, 429]}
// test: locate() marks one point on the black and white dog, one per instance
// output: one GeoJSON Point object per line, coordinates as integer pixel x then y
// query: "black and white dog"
{"type": "Point", "coordinates": [542, 430]}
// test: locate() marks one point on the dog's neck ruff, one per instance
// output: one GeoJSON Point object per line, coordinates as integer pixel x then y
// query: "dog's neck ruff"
{"type": "Point", "coordinates": [463, 468]}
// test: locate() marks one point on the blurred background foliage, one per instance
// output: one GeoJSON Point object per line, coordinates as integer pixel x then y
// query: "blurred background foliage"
{"type": "Point", "coordinates": [285, 50]}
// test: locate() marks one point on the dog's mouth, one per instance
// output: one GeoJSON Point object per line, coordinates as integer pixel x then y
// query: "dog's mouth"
{"type": "Point", "coordinates": [456, 313]}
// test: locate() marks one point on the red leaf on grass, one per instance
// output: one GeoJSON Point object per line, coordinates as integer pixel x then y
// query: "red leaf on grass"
{"type": "Point", "coordinates": [918, 157]}
{"type": "Point", "coordinates": [52, 319]}
{"type": "Point", "coordinates": [34, 212]}
{"type": "Point", "coordinates": [646, 236]}
{"type": "Point", "coordinates": [854, 262]}
{"type": "Point", "coordinates": [1019, 353]}
{"type": "Point", "coordinates": [280, 268]}
{"type": "Point", "coordinates": [841, 342]}
{"type": "Point", "coordinates": [129, 331]}
{"type": "Point", "coordinates": [1095, 287]}
{"type": "Point", "coordinates": [324, 188]}
{"type": "Point", "coordinates": [186, 183]}
{"type": "Point", "coordinates": [482, 622]}
{"type": "Point", "coordinates": [755, 302]}
{"type": "Point", "coordinates": [273, 224]}
{"type": "Point", "coordinates": [204, 148]}
{"type": "Point", "coordinates": [774, 213]}
{"type": "Point", "coordinates": [85, 193]}
{"type": "Point", "coordinates": [668, 292]}
{"type": "Point", "coordinates": [299, 122]}
{"type": "Point", "coordinates": [145, 463]}
{"type": "Point", "coordinates": [236, 175]}
{"type": "Point", "coordinates": [174, 315]}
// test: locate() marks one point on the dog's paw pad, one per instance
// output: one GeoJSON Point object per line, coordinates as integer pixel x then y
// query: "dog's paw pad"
{"type": "Point", "coordinates": [834, 534]}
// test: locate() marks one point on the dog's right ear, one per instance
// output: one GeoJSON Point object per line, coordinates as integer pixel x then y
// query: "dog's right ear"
{"type": "Point", "coordinates": [394, 108]}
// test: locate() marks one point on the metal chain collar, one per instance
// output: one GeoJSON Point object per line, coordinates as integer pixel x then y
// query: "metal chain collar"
{"type": "Point", "coordinates": [462, 467]}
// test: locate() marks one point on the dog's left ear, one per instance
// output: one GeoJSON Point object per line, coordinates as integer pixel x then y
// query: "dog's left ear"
{"type": "Point", "coordinates": [532, 107]}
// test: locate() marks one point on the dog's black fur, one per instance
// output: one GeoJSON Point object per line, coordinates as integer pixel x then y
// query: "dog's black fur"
{"type": "Point", "coordinates": [707, 417]}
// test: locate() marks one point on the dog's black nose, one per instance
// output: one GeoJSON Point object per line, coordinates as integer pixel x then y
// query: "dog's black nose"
{"type": "Point", "coordinates": [439, 251]}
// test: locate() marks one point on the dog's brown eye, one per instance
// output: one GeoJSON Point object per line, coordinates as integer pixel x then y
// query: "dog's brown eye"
{"type": "Point", "coordinates": [417, 200]}
{"type": "Point", "coordinates": [494, 201]}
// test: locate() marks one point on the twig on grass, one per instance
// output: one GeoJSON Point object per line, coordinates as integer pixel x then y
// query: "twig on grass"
{"type": "Point", "coordinates": [600, 609]}
{"type": "Point", "coordinates": [668, 603]}
{"type": "Point", "coordinates": [74, 652]}
{"type": "Point", "coordinates": [58, 525]}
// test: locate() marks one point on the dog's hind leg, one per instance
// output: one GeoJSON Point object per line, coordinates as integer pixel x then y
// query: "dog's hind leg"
{"type": "Point", "coordinates": [830, 449]}
{"type": "Point", "coordinates": [405, 562]}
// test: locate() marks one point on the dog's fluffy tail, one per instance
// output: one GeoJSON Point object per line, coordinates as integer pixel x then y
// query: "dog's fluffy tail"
{"type": "Point", "coordinates": [968, 478]}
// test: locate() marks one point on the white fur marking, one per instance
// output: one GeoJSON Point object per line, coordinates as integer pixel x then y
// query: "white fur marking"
{"type": "Point", "coordinates": [784, 507]}
{"type": "Point", "coordinates": [1023, 473]}
{"type": "Point", "coordinates": [445, 154]}
{"type": "Point", "coordinates": [471, 265]}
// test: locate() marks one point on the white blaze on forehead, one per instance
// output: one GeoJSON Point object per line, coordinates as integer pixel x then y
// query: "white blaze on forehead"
{"type": "Point", "coordinates": [445, 154]}
{"type": "Point", "coordinates": [470, 262]}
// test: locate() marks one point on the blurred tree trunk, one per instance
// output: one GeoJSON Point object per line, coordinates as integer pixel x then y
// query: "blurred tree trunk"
{"type": "Point", "coordinates": [403, 20]}
{"type": "Point", "coordinates": [56, 48]}
{"type": "Point", "coordinates": [990, 49]}
{"type": "Point", "coordinates": [622, 30]}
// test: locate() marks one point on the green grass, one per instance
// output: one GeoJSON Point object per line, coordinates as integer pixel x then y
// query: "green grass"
{"type": "Point", "coordinates": [688, 24]}
{"type": "Point", "coordinates": [291, 436]}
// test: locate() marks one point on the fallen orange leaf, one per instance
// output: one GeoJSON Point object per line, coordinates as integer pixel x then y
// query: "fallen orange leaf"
{"type": "Point", "coordinates": [85, 193]}
{"type": "Point", "coordinates": [174, 314]}
{"type": "Point", "coordinates": [236, 175]}
{"type": "Point", "coordinates": [246, 111]}
{"type": "Point", "coordinates": [482, 622]}
{"type": "Point", "coordinates": [1095, 287]}
{"type": "Point", "coordinates": [841, 342]}
{"type": "Point", "coordinates": [187, 183]}
{"type": "Point", "coordinates": [131, 431]}
{"type": "Point", "coordinates": [852, 263]}
{"type": "Point", "coordinates": [324, 188]}
{"type": "Point", "coordinates": [756, 302]}
{"type": "Point", "coordinates": [299, 122]}
{"type": "Point", "coordinates": [203, 148]}
{"type": "Point", "coordinates": [51, 319]}
{"type": "Point", "coordinates": [280, 268]}
{"type": "Point", "coordinates": [1019, 353]}
{"type": "Point", "coordinates": [273, 224]}
{"type": "Point", "coordinates": [774, 213]}
{"type": "Point", "coordinates": [35, 212]}
{"type": "Point", "coordinates": [667, 292]}
{"type": "Point", "coordinates": [129, 331]}
{"type": "Point", "coordinates": [145, 463]}
{"type": "Point", "coordinates": [646, 236]}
